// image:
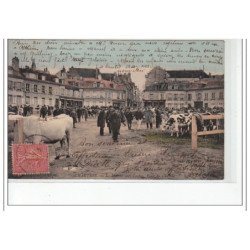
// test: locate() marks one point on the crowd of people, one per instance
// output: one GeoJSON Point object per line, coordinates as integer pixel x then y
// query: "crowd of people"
{"type": "Point", "coordinates": [114, 117]}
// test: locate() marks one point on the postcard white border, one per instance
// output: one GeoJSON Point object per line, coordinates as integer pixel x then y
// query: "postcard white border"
{"type": "Point", "coordinates": [91, 192]}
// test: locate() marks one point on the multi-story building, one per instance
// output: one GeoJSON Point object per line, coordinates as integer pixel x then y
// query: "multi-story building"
{"type": "Point", "coordinates": [33, 87]}
{"type": "Point", "coordinates": [16, 87]}
{"type": "Point", "coordinates": [100, 89]}
{"type": "Point", "coordinates": [181, 88]}
{"type": "Point", "coordinates": [73, 88]}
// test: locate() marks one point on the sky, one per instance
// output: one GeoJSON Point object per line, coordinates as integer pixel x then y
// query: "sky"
{"type": "Point", "coordinates": [135, 56]}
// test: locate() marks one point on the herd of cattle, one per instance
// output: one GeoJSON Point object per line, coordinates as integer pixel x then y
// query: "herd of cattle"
{"type": "Point", "coordinates": [181, 124]}
{"type": "Point", "coordinates": [59, 128]}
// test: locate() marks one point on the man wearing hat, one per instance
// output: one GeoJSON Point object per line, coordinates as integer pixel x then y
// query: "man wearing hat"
{"type": "Point", "coordinates": [101, 121]}
{"type": "Point", "coordinates": [115, 123]}
{"type": "Point", "coordinates": [129, 118]}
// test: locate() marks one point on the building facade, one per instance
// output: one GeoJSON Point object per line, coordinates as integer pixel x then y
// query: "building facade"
{"type": "Point", "coordinates": [33, 87]}
{"type": "Point", "coordinates": [182, 89]}
{"type": "Point", "coordinates": [100, 89]}
{"type": "Point", "coordinates": [75, 87]}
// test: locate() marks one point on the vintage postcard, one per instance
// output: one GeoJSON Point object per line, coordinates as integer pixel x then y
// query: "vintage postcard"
{"type": "Point", "coordinates": [116, 109]}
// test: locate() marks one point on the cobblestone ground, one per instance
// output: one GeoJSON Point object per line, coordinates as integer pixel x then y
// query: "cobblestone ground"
{"type": "Point", "coordinates": [133, 157]}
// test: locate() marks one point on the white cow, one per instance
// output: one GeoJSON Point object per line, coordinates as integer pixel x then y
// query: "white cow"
{"type": "Point", "coordinates": [178, 124]}
{"type": "Point", "coordinates": [57, 129]}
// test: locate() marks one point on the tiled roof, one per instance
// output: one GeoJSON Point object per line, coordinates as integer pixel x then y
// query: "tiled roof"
{"type": "Point", "coordinates": [83, 72]}
{"type": "Point", "coordinates": [108, 76]}
{"type": "Point", "coordinates": [187, 74]}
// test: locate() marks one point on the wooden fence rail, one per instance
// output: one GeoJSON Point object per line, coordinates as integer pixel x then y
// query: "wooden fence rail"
{"type": "Point", "coordinates": [17, 127]}
{"type": "Point", "coordinates": [195, 133]}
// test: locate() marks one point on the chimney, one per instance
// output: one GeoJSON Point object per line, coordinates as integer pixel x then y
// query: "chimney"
{"type": "Point", "coordinates": [15, 63]}
{"type": "Point", "coordinates": [96, 73]}
{"type": "Point", "coordinates": [33, 65]}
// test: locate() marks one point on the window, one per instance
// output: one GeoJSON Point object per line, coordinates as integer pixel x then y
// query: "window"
{"type": "Point", "coordinates": [19, 100]}
{"type": "Point", "coordinates": [213, 96]}
{"type": "Point", "coordinates": [14, 99]}
{"type": "Point", "coordinates": [27, 87]}
{"type": "Point", "coordinates": [10, 85]}
{"type": "Point", "coordinates": [43, 89]}
{"type": "Point", "coordinates": [43, 101]}
{"type": "Point", "coordinates": [50, 101]}
{"type": "Point", "coordinates": [50, 90]}
{"type": "Point", "coordinates": [162, 96]}
{"type": "Point", "coordinates": [19, 86]}
{"type": "Point", "coordinates": [221, 95]}
{"type": "Point", "coordinates": [206, 97]}
{"type": "Point", "coordinates": [35, 88]}
{"type": "Point", "coordinates": [189, 97]}
{"type": "Point", "coordinates": [10, 99]}
{"type": "Point", "coordinates": [199, 96]}
{"type": "Point", "coordinates": [35, 101]}
{"type": "Point", "coordinates": [27, 100]}
{"type": "Point", "coordinates": [175, 97]}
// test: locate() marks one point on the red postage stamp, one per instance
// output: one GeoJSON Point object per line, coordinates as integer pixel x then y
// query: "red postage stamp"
{"type": "Point", "coordinates": [30, 159]}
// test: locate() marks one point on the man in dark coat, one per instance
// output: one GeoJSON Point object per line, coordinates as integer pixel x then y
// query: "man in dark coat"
{"type": "Point", "coordinates": [101, 121]}
{"type": "Point", "coordinates": [25, 110]}
{"type": "Point", "coordinates": [44, 112]}
{"type": "Point", "coordinates": [108, 119]}
{"type": "Point", "coordinates": [115, 124]}
{"type": "Point", "coordinates": [73, 115]}
{"type": "Point", "coordinates": [149, 117]}
{"type": "Point", "coordinates": [56, 112]}
{"type": "Point", "coordinates": [86, 114]}
{"type": "Point", "coordinates": [158, 118]}
{"type": "Point", "coordinates": [129, 117]}
{"type": "Point", "coordinates": [138, 117]}
{"type": "Point", "coordinates": [79, 114]}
